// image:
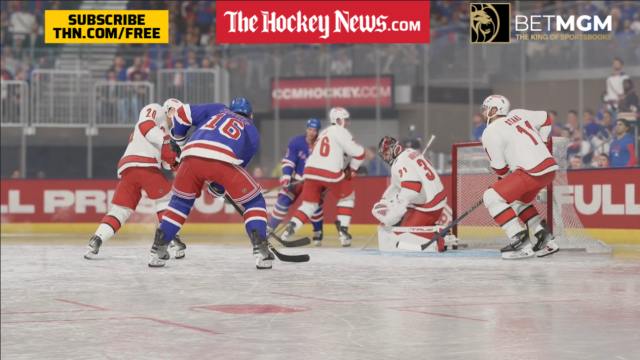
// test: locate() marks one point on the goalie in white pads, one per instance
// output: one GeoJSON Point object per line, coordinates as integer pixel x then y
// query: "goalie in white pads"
{"type": "Point", "coordinates": [516, 143]}
{"type": "Point", "coordinates": [415, 198]}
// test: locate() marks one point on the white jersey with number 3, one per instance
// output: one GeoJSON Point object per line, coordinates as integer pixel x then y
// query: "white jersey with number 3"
{"type": "Point", "coordinates": [334, 147]}
{"type": "Point", "coordinates": [415, 182]}
{"type": "Point", "coordinates": [518, 141]}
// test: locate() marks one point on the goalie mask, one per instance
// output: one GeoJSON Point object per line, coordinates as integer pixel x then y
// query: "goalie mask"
{"type": "Point", "coordinates": [389, 149]}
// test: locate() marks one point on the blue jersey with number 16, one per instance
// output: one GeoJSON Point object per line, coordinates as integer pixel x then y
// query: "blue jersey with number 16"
{"type": "Point", "coordinates": [220, 133]}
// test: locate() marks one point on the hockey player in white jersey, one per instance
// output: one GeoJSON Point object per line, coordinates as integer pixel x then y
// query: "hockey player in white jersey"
{"type": "Point", "coordinates": [516, 143]}
{"type": "Point", "coordinates": [415, 197]}
{"type": "Point", "coordinates": [139, 169]}
{"type": "Point", "coordinates": [333, 160]}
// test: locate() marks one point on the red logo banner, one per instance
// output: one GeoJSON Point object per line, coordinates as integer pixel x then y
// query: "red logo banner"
{"type": "Point", "coordinates": [322, 22]}
{"type": "Point", "coordinates": [312, 93]}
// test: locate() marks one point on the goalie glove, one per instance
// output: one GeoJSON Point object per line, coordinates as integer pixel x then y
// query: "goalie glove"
{"type": "Point", "coordinates": [388, 212]}
{"type": "Point", "coordinates": [216, 190]}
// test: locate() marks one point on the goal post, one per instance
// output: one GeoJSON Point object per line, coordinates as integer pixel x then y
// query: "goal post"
{"type": "Point", "coordinates": [471, 175]}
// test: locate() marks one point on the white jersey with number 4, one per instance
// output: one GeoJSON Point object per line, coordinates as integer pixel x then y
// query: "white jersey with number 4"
{"type": "Point", "coordinates": [415, 182]}
{"type": "Point", "coordinates": [518, 141]}
{"type": "Point", "coordinates": [327, 159]}
{"type": "Point", "coordinates": [145, 143]}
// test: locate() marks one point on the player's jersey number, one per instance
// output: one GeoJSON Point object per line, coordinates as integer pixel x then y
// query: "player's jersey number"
{"type": "Point", "coordinates": [325, 147]}
{"type": "Point", "coordinates": [530, 133]}
{"type": "Point", "coordinates": [229, 126]}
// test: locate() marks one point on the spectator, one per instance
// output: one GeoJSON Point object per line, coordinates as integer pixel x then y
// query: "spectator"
{"type": "Point", "coordinates": [478, 126]}
{"type": "Point", "coordinates": [622, 152]}
{"type": "Point", "coordinates": [572, 121]}
{"type": "Point", "coordinates": [600, 161]}
{"type": "Point", "coordinates": [615, 90]}
{"type": "Point", "coordinates": [22, 25]}
{"type": "Point", "coordinates": [629, 100]}
{"type": "Point", "coordinates": [137, 70]}
{"type": "Point", "coordinates": [575, 162]}
{"type": "Point", "coordinates": [607, 121]}
{"type": "Point", "coordinates": [579, 147]}
{"type": "Point", "coordinates": [16, 174]}
{"type": "Point", "coordinates": [555, 128]}
{"type": "Point", "coordinates": [119, 68]}
{"type": "Point", "coordinates": [590, 126]}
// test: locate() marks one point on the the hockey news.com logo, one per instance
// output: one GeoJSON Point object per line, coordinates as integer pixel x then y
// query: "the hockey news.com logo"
{"type": "Point", "coordinates": [492, 23]}
{"type": "Point", "coordinates": [322, 22]}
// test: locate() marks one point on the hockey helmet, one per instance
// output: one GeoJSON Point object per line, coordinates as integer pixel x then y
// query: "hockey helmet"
{"type": "Point", "coordinates": [338, 116]}
{"type": "Point", "coordinates": [389, 149]}
{"type": "Point", "coordinates": [314, 123]}
{"type": "Point", "coordinates": [171, 104]}
{"type": "Point", "coordinates": [242, 106]}
{"type": "Point", "coordinates": [499, 102]}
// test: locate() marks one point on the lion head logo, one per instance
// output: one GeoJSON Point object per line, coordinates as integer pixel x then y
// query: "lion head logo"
{"type": "Point", "coordinates": [485, 23]}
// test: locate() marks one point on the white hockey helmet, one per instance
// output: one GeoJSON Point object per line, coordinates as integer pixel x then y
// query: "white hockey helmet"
{"type": "Point", "coordinates": [499, 102]}
{"type": "Point", "coordinates": [171, 104]}
{"type": "Point", "coordinates": [338, 116]}
{"type": "Point", "coordinates": [154, 112]}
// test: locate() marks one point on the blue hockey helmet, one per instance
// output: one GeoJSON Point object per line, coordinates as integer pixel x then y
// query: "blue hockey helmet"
{"type": "Point", "coordinates": [314, 123]}
{"type": "Point", "coordinates": [241, 106]}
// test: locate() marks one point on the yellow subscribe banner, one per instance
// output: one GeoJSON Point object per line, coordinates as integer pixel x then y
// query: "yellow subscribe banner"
{"type": "Point", "coordinates": [106, 26]}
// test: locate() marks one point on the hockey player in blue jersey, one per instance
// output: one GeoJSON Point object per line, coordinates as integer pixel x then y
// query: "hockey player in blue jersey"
{"type": "Point", "coordinates": [216, 153]}
{"type": "Point", "coordinates": [292, 170]}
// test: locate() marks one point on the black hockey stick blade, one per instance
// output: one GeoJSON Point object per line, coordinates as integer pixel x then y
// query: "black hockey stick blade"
{"type": "Point", "coordinates": [293, 243]}
{"type": "Point", "coordinates": [455, 222]}
{"type": "Point", "coordinates": [289, 258]}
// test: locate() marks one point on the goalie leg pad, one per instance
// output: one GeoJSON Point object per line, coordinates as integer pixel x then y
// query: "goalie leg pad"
{"type": "Point", "coordinates": [502, 213]}
{"type": "Point", "coordinates": [405, 238]}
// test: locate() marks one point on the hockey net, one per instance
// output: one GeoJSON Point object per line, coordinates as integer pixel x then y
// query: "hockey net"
{"type": "Point", "coordinates": [471, 175]}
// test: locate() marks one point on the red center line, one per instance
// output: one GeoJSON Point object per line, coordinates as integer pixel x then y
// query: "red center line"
{"type": "Point", "coordinates": [442, 315]}
{"type": "Point", "coordinates": [82, 304]}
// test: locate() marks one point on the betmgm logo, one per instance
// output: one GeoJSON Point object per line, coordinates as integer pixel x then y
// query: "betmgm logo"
{"type": "Point", "coordinates": [489, 23]}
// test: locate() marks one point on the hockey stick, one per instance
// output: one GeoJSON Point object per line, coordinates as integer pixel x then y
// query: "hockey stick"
{"type": "Point", "coordinates": [279, 187]}
{"type": "Point", "coordinates": [442, 232]}
{"type": "Point", "coordinates": [433, 137]}
{"type": "Point", "coordinates": [279, 255]}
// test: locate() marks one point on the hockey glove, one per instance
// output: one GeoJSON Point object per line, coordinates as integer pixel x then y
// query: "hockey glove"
{"type": "Point", "coordinates": [285, 180]}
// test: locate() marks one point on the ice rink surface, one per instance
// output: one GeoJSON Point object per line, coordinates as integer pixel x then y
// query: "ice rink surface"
{"type": "Point", "coordinates": [343, 304]}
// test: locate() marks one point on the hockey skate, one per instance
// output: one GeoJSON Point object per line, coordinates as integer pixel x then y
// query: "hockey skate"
{"type": "Point", "coordinates": [159, 253]}
{"type": "Point", "coordinates": [264, 257]}
{"type": "Point", "coordinates": [94, 247]}
{"type": "Point", "coordinates": [343, 235]}
{"type": "Point", "coordinates": [520, 248]}
{"type": "Point", "coordinates": [546, 244]}
{"type": "Point", "coordinates": [288, 231]}
{"type": "Point", "coordinates": [317, 238]}
{"type": "Point", "coordinates": [179, 247]}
